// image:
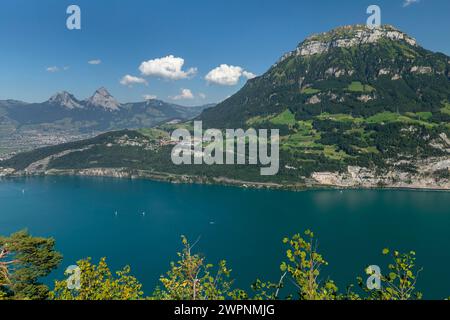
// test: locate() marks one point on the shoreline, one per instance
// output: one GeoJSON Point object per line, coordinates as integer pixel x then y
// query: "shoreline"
{"type": "Point", "coordinates": [123, 173]}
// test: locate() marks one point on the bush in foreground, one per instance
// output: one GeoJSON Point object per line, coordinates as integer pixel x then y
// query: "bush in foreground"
{"type": "Point", "coordinates": [24, 259]}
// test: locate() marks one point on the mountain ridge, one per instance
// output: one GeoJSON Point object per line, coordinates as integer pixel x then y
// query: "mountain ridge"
{"type": "Point", "coordinates": [103, 99]}
{"type": "Point", "coordinates": [64, 118]}
{"type": "Point", "coordinates": [318, 76]}
{"type": "Point", "coordinates": [65, 99]}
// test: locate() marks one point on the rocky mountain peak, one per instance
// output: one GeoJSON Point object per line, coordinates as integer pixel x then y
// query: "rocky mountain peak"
{"type": "Point", "coordinates": [103, 91]}
{"type": "Point", "coordinates": [349, 36]}
{"type": "Point", "coordinates": [103, 99]}
{"type": "Point", "coordinates": [65, 99]}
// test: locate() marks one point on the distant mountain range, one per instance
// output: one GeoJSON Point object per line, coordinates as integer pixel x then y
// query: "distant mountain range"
{"type": "Point", "coordinates": [28, 125]}
{"type": "Point", "coordinates": [99, 112]}
{"type": "Point", "coordinates": [356, 107]}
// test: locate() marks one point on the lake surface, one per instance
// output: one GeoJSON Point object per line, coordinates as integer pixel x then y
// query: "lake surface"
{"type": "Point", "coordinates": [245, 227]}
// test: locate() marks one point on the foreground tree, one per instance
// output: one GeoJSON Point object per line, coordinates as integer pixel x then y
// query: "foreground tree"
{"type": "Point", "coordinates": [303, 268]}
{"type": "Point", "coordinates": [24, 260]}
{"type": "Point", "coordinates": [97, 282]}
{"type": "Point", "coordinates": [304, 264]}
{"type": "Point", "coordinates": [400, 281]}
{"type": "Point", "coordinates": [191, 278]}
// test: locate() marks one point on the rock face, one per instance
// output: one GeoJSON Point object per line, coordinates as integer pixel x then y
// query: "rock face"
{"type": "Point", "coordinates": [424, 178]}
{"type": "Point", "coordinates": [314, 100]}
{"type": "Point", "coordinates": [421, 70]}
{"type": "Point", "coordinates": [336, 72]}
{"type": "Point", "coordinates": [66, 100]}
{"type": "Point", "coordinates": [365, 98]}
{"type": "Point", "coordinates": [103, 99]}
{"type": "Point", "coordinates": [346, 37]}
{"type": "Point", "coordinates": [5, 172]}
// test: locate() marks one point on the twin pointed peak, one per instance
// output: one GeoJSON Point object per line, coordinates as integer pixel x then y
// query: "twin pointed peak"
{"type": "Point", "coordinates": [100, 99]}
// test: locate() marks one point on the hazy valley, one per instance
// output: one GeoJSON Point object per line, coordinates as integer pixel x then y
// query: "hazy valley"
{"type": "Point", "coordinates": [63, 118]}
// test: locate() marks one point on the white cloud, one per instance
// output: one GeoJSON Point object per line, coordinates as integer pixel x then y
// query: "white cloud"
{"type": "Point", "coordinates": [202, 95]}
{"type": "Point", "coordinates": [130, 80]}
{"type": "Point", "coordinates": [185, 94]}
{"type": "Point", "coordinates": [149, 97]}
{"type": "Point", "coordinates": [249, 75]}
{"type": "Point", "coordinates": [227, 75]}
{"type": "Point", "coordinates": [95, 61]}
{"type": "Point", "coordinates": [169, 67]}
{"type": "Point", "coordinates": [53, 69]}
{"type": "Point", "coordinates": [407, 3]}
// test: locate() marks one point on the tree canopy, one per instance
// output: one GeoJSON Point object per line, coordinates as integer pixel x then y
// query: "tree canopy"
{"type": "Point", "coordinates": [24, 261]}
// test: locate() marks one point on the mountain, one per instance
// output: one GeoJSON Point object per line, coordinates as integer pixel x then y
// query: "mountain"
{"type": "Point", "coordinates": [103, 99]}
{"type": "Point", "coordinates": [66, 100]}
{"type": "Point", "coordinates": [11, 103]}
{"type": "Point", "coordinates": [352, 70]}
{"type": "Point", "coordinates": [101, 108]}
{"type": "Point", "coordinates": [65, 118]}
{"type": "Point", "coordinates": [356, 107]}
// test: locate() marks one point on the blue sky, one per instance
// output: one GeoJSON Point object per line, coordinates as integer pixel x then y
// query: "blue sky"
{"type": "Point", "coordinates": [40, 56]}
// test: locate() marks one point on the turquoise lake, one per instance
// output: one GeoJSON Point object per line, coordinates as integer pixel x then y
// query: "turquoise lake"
{"type": "Point", "coordinates": [244, 227]}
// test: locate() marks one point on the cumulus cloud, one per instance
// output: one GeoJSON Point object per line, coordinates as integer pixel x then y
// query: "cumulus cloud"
{"type": "Point", "coordinates": [407, 3]}
{"type": "Point", "coordinates": [130, 80]}
{"type": "Point", "coordinates": [224, 75]}
{"type": "Point", "coordinates": [149, 97]}
{"type": "Point", "coordinates": [95, 61]}
{"type": "Point", "coordinates": [202, 95]}
{"type": "Point", "coordinates": [169, 67]}
{"type": "Point", "coordinates": [185, 94]}
{"type": "Point", "coordinates": [249, 75]}
{"type": "Point", "coordinates": [227, 75]}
